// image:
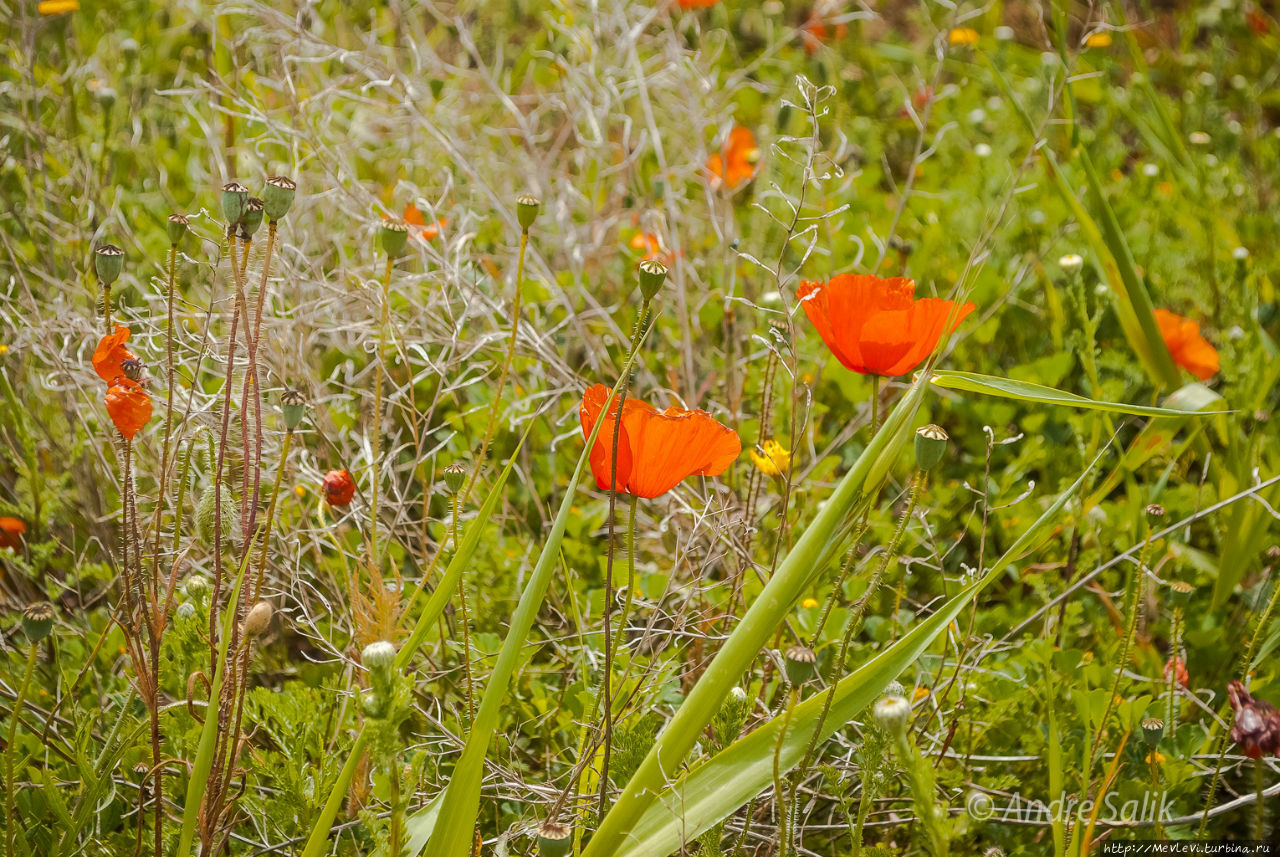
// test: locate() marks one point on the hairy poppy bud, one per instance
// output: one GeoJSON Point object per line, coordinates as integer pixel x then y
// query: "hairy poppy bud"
{"type": "Point", "coordinates": [234, 197]}
{"type": "Point", "coordinates": [206, 510]}
{"type": "Point", "coordinates": [527, 210]}
{"type": "Point", "coordinates": [931, 445]}
{"type": "Point", "coordinates": [652, 275]}
{"type": "Point", "coordinates": [379, 656]}
{"type": "Point", "coordinates": [178, 226]}
{"type": "Point", "coordinates": [1257, 723]}
{"type": "Point", "coordinates": [277, 196]}
{"type": "Point", "coordinates": [394, 237]}
{"type": "Point", "coordinates": [108, 263]}
{"type": "Point", "coordinates": [251, 220]}
{"type": "Point", "coordinates": [257, 619]}
{"type": "Point", "coordinates": [37, 621]}
{"type": "Point", "coordinates": [293, 407]}
{"type": "Point", "coordinates": [801, 664]}
{"type": "Point", "coordinates": [1152, 730]}
{"type": "Point", "coordinates": [198, 587]}
{"type": "Point", "coordinates": [455, 476]}
{"type": "Point", "coordinates": [892, 713]}
{"type": "Point", "coordinates": [554, 839]}
{"type": "Point", "coordinates": [373, 704]}
{"type": "Point", "coordinates": [132, 369]}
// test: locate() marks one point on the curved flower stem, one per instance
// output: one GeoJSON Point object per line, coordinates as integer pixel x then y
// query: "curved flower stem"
{"type": "Point", "coordinates": [10, 808]}
{"type": "Point", "coordinates": [106, 307]}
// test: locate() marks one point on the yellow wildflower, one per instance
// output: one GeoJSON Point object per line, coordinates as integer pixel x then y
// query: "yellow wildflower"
{"type": "Point", "coordinates": [300, 491]}
{"type": "Point", "coordinates": [919, 693]}
{"type": "Point", "coordinates": [1098, 40]}
{"type": "Point", "coordinates": [57, 7]}
{"type": "Point", "coordinates": [775, 461]}
{"type": "Point", "coordinates": [809, 603]}
{"type": "Point", "coordinates": [4, 349]}
{"type": "Point", "coordinates": [1155, 757]}
{"type": "Point", "coordinates": [963, 36]}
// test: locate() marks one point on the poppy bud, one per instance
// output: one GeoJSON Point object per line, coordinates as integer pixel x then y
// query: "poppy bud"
{"type": "Point", "coordinates": [37, 621]}
{"type": "Point", "coordinates": [251, 220]}
{"type": "Point", "coordinates": [132, 369]}
{"type": "Point", "coordinates": [801, 664]}
{"type": "Point", "coordinates": [187, 611]}
{"type": "Point", "coordinates": [379, 656]}
{"type": "Point", "coordinates": [178, 226]}
{"type": "Point", "coordinates": [554, 839]}
{"type": "Point", "coordinates": [394, 237]}
{"type": "Point", "coordinates": [931, 445]}
{"type": "Point", "coordinates": [652, 275]}
{"type": "Point", "coordinates": [198, 587]}
{"type": "Point", "coordinates": [205, 514]}
{"type": "Point", "coordinates": [293, 407]}
{"type": "Point", "coordinates": [373, 704]}
{"type": "Point", "coordinates": [108, 262]}
{"type": "Point", "coordinates": [455, 476]}
{"type": "Point", "coordinates": [1175, 669]}
{"type": "Point", "coordinates": [277, 196]}
{"type": "Point", "coordinates": [1155, 510]}
{"type": "Point", "coordinates": [1257, 723]}
{"type": "Point", "coordinates": [527, 210]}
{"type": "Point", "coordinates": [339, 488]}
{"type": "Point", "coordinates": [1152, 730]}
{"type": "Point", "coordinates": [1180, 593]}
{"type": "Point", "coordinates": [894, 688]}
{"type": "Point", "coordinates": [892, 713]}
{"type": "Point", "coordinates": [257, 619]}
{"type": "Point", "coordinates": [234, 197]}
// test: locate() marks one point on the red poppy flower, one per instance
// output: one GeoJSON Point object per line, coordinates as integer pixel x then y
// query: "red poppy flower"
{"type": "Point", "coordinates": [11, 531]}
{"type": "Point", "coordinates": [697, 4]}
{"type": "Point", "coordinates": [111, 352]}
{"type": "Point", "coordinates": [1176, 669]}
{"type": "Point", "coordinates": [339, 488]}
{"type": "Point", "coordinates": [876, 326]}
{"type": "Point", "coordinates": [128, 405]}
{"type": "Point", "coordinates": [418, 222]}
{"type": "Point", "coordinates": [656, 449]}
{"type": "Point", "coordinates": [815, 31]}
{"type": "Point", "coordinates": [1189, 349]}
{"type": "Point", "coordinates": [738, 163]}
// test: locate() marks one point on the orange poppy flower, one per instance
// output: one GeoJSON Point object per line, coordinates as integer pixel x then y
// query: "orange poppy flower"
{"type": "Point", "coordinates": [1189, 349]}
{"type": "Point", "coordinates": [417, 219]}
{"type": "Point", "coordinates": [656, 449]}
{"type": "Point", "coordinates": [737, 164]}
{"type": "Point", "coordinates": [815, 31]}
{"type": "Point", "coordinates": [11, 530]}
{"type": "Point", "coordinates": [1176, 669]}
{"type": "Point", "coordinates": [128, 405]}
{"type": "Point", "coordinates": [111, 353]}
{"type": "Point", "coordinates": [339, 488]}
{"type": "Point", "coordinates": [876, 326]}
{"type": "Point", "coordinates": [697, 4]}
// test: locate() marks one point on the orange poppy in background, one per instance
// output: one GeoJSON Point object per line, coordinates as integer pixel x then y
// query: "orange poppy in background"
{"type": "Point", "coordinates": [1188, 348]}
{"type": "Point", "coordinates": [875, 325]}
{"type": "Point", "coordinates": [697, 4]}
{"type": "Point", "coordinates": [418, 221]}
{"type": "Point", "coordinates": [739, 161]}
{"type": "Point", "coordinates": [656, 449]}
{"type": "Point", "coordinates": [338, 487]}
{"type": "Point", "coordinates": [128, 405]}
{"type": "Point", "coordinates": [815, 31]}
{"type": "Point", "coordinates": [11, 532]}
{"type": "Point", "coordinates": [111, 353]}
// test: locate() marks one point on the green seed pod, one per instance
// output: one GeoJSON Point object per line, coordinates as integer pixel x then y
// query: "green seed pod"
{"type": "Point", "coordinates": [205, 514]}
{"type": "Point", "coordinates": [892, 714]}
{"type": "Point", "coordinates": [1152, 730]}
{"type": "Point", "coordinates": [527, 210]}
{"type": "Point", "coordinates": [455, 477]}
{"type": "Point", "coordinates": [293, 407]}
{"type": "Point", "coordinates": [37, 621]}
{"type": "Point", "coordinates": [108, 263]}
{"type": "Point", "coordinates": [652, 275]}
{"type": "Point", "coordinates": [234, 197]}
{"type": "Point", "coordinates": [554, 839]}
{"type": "Point", "coordinates": [277, 196]}
{"type": "Point", "coordinates": [251, 220]}
{"type": "Point", "coordinates": [178, 226]}
{"type": "Point", "coordinates": [1180, 593]}
{"type": "Point", "coordinates": [394, 237]}
{"type": "Point", "coordinates": [801, 665]}
{"type": "Point", "coordinates": [931, 445]}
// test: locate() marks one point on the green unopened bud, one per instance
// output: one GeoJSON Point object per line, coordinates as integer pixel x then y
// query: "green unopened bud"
{"type": "Point", "coordinates": [108, 263]}
{"type": "Point", "coordinates": [554, 839]}
{"type": "Point", "coordinates": [379, 657]}
{"type": "Point", "coordinates": [1180, 593]}
{"type": "Point", "coordinates": [1152, 730]}
{"type": "Point", "coordinates": [251, 220]}
{"type": "Point", "coordinates": [652, 275]}
{"type": "Point", "coordinates": [234, 197]}
{"type": "Point", "coordinates": [198, 587]}
{"type": "Point", "coordinates": [801, 664]}
{"type": "Point", "coordinates": [455, 476]}
{"type": "Point", "coordinates": [931, 445]}
{"type": "Point", "coordinates": [257, 619]}
{"type": "Point", "coordinates": [394, 237]}
{"type": "Point", "coordinates": [178, 226]}
{"type": "Point", "coordinates": [37, 621]}
{"type": "Point", "coordinates": [277, 196]}
{"type": "Point", "coordinates": [373, 704]}
{"type": "Point", "coordinates": [892, 714]}
{"type": "Point", "coordinates": [293, 407]}
{"type": "Point", "coordinates": [527, 210]}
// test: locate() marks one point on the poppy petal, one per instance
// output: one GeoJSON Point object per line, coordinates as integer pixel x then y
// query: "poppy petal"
{"type": "Point", "coordinates": [111, 354]}
{"type": "Point", "coordinates": [677, 444]}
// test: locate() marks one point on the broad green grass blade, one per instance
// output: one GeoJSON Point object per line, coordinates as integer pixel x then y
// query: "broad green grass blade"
{"type": "Point", "coordinates": [712, 791]}
{"type": "Point", "coordinates": [756, 627]}
{"type": "Point", "coordinates": [440, 596]}
{"type": "Point", "coordinates": [1025, 391]}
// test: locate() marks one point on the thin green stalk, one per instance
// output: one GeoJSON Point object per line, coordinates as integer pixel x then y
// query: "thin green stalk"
{"type": "Point", "coordinates": [376, 440]}
{"type": "Point", "coordinates": [10, 808]}
{"type": "Point", "coordinates": [466, 621]}
{"type": "Point", "coordinates": [779, 787]}
{"type": "Point", "coordinates": [396, 822]}
{"type": "Point", "coordinates": [271, 514]}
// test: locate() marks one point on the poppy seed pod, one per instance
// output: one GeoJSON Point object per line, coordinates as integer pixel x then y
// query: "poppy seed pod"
{"type": "Point", "coordinates": [132, 369]}
{"type": "Point", "coordinates": [251, 220]}
{"type": "Point", "coordinates": [108, 263]}
{"type": "Point", "coordinates": [293, 407]}
{"type": "Point", "coordinates": [1155, 510]}
{"type": "Point", "coordinates": [1152, 730]}
{"type": "Point", "coordinates": [178, 226]}
{"type": "Point", "coordinates": [234, 197]}
{"type": "Point", "coordinates": [527, 210]}
{"type": "Point", "coordinates": [892, 713]}
{"type": "Point", "coordinates": [554, 839]}
{"type": "Point", "coordinates": [931, 445]}
{"type": "Point", "coordinates": [801, 664]}
{"type": "Point", "coordinates": [652, 275]}
{"type": "Point", "coordinates": [394, 237]}
{"type": "Point", "coordinates": [1180, 593]}
{"type": "Point", "coordinates": [455, 476]}
{"type": "Point", "coordinates": [277, 196]}
{"type": "Point", "coordinates": [37, 621]}
{"type": "Point", "coordinates": [257, 619]}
